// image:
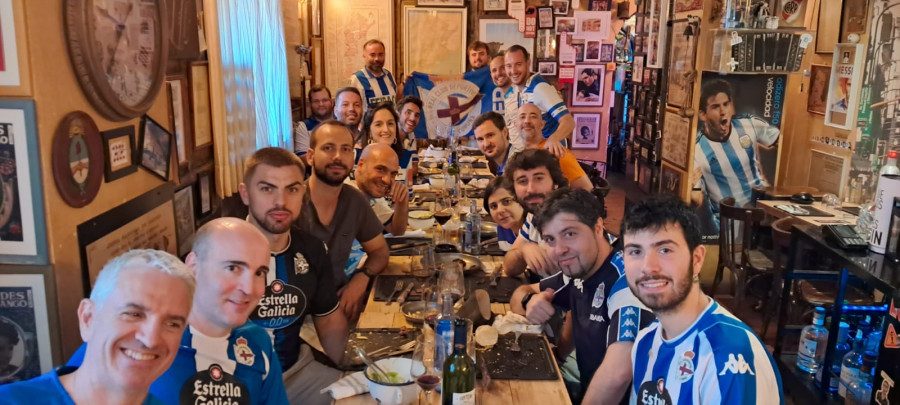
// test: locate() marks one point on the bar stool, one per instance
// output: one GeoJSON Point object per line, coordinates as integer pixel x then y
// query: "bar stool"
{"type": "Point", "coordinates": [736, 228]}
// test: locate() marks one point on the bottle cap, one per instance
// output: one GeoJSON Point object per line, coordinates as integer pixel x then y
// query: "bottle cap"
{"type": "Point", "coordinates": [892, 154]}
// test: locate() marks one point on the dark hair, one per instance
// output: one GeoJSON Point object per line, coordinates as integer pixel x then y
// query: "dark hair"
{"type": "Point", "coordinates": [477, 45]}
{"type": "Point", "coordinates": [586, 206]}
{"type": "Point", "coordinates": [409, 99]}
{"type": "Point", "coordinates": [313, 138]}
{"type": "Point", "coordinates": [711, 89]}
{"type": "Point", "coordinates": [532, 159]}
{"type": "Point", "coordinates": [491, 116]}
{"type": "Point", "coordinates": [656, 212]}
{"type": "Point", "coordinates": [271, 156]}
{"type": "Point", "coordinates": [350, 89]}
{"type": "Point", "coordinates": [8, 330]}
{"type": "Point", "coordinates": [589, 72]}
{"type": "Point", "coordinates": [317, 88]}
{"type": "Point", "coordinates": [518, 48]}
{"type": "Point", "coordinates": [374, 41]}
{"type": "Point", "coordinates": [364, 135]}
{"type": "Point", "coordinates": [497, 183]}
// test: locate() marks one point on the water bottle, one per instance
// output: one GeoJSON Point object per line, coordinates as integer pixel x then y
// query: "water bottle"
{"type": "Point", "coordinates": [472, 238]}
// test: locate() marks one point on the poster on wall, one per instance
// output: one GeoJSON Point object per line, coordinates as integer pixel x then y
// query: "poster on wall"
{"type": "Point", "coordinates": [676, 139]}
{"type": "Point", "coordinates": [24, 327]}
{"type": "Point", "coordinates": [843, 89]}
{"type": "Point", "coordinates": [738, 128]}
{"type": "Point", "coordinates": [434, 40]}
{"type": "Point", "coordinates": [350, 25]}
{"type": "Point", "coordinates": [586, 134]}
{"type": "Point", "coordinates": [589, 88]}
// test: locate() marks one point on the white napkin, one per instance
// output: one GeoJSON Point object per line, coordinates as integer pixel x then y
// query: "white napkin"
{"type": "Point", "coordinates": [480, 183]}
{"type": "Point", "coordinates": [421, 187]}
{"type": "Point", "coordinates": [513, 321]}
{"type": "Point", "coordinates": [353, 384]}
{"type": "Point", "coordinates": [410, 234]}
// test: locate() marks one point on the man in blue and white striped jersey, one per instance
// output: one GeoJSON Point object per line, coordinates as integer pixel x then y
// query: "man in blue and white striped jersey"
{"type": "Point", "coordinates": [374, 82]}
{"type": "Point", "coordinates": [726, 158]}
{"type": "Point", "coordinates": [697, 352]}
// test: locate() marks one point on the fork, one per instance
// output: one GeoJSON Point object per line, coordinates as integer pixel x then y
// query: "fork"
{"type": "Point", "coordinates": [515, 346]}
{"type": "Point", "coordinates": [397, 288]}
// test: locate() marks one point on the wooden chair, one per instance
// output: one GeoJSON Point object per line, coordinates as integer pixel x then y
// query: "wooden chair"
{"type": "Point", "coordinates": [736, 228]}
{"type": "Point", "coordinates": [781, 241]}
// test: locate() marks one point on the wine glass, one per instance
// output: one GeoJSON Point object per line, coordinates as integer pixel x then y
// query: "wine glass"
{"type": "Point", "coordinates": [443, 209]}
{"type": "Point", "coordinates": [451, 280]}
{"type": "Point", "coordinates": [431, 295]}
{"type": "Point", "coordinates": [423, 368]}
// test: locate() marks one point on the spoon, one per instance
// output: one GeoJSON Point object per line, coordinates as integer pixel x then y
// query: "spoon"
{"type": "Point", "coordinates": [365, 358]}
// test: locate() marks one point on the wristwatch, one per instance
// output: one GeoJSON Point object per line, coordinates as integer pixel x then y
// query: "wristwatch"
{"type": "Point", "coordinates": [527, 298]}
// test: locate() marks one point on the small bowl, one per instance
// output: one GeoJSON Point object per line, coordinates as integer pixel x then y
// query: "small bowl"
{"type": "Point", "coordinates": [405, 393]}
{"type": "Point", "coordinates": [418, 220]}
{"type": "Point", "coordinates": [414, 312]}
{"type": "Point", "coordinates": [436, 182]}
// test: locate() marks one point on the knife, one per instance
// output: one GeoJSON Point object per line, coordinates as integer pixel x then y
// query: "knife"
{"type": "Point", "coordinates": [405, 293]}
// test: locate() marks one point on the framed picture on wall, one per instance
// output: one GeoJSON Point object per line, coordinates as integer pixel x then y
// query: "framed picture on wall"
{"type": "Point", "coordinates": [588, 85]}
{"type": "Point", "coordinates": [545, 17]}
{"type": "Point", "coordinates": [183, 201]}
{"type": "Point", "coordinates": [200, 104]}
{"type": "Point", "coordinates": [156, 147]}
{"type": "Point", "coordinates": [500, 34]}
{"type": "Point", "coordinates": [203, 194]}
{"type": "Point", "coordinates": [547, 68]}
{"type": "Point", "coordinates": [29, 318]}
{"type": "Point", "coordinates": [671, 180]}
{"type": "Point", "coordinates": [119, 153]}
{"type": "Point", "coordinates": [440, 3]}
{"type": "Point", "coordinates": [315, 18]}
{"type": "Point", "coordinates": [818, 88]}
{"type": "Point", "coordinates": [607, 53]}
{"type": "Point", "coordinates": [560, 7]}
{"type": "Point", "coordinates": [180, 119]}
{"type": "Point", "coordinates": [827, 32]}
{"type": "Point", "coordinates": [591, 51]}
{"type": "Point", "coordinates": [434, 40]}
{"type": "Point", "coordinates": [493, 5]}
{"type": "Point", "coordinates": [15, 76]}
{"type": "Point", "coordinates": [637, 70]}
{"type": "Point", "coordinates": [656, 35]}
{"type": "Point", "coordinates": [853, 19]}
{"type": "Point", "coordinates": [843, 86]}
{"type": "Point", "coordinates": [586, 134]}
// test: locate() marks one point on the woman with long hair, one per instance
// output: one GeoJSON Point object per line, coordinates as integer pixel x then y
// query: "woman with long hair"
{"type": "Point", "coordinates": [380, 126]}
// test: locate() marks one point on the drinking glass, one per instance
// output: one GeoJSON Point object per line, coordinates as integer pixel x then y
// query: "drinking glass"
{"type": "Point", "coordinates": [452, 280]}
{"type": "Point", "coordinates": [831, 201]}
{"type": "Point", "coordinates": [422, 264]}
{"type": "Point", "coordinates": [431, 295]}
{"type": "Point", "coordinates": [423, 368]}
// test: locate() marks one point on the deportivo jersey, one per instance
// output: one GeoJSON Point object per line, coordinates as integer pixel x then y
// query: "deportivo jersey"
{"type": "Point", "coordinates": [731, 168]}
{"type": "Point", "coordinates": [604, 311]}
{"type": "Point", "coordinates": [529, 231]}
{"type": "Point", "coordinates": [46, 389]}
{"type": "Point", "coordinates": [301, 284]}
{"type": "Point", "coordinates": [301, 134]}
{"type": "Point", "coordinates": [241, 368]}
{"type": "Point", "coordinates": [718, 360]}
{"type": "Point", "coordinates": [539, 92]}
{"type": "Point", "coordinates": [374, 89]}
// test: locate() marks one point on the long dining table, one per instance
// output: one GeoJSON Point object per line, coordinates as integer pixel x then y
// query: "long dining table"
{"type": "Point", "coordinates": [381, 315]}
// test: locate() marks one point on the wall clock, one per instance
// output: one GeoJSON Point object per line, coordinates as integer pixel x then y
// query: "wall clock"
{"type": "Point", "coordinates": [77, 159]}
{"type": "Point", "coordinates": [118, 49]}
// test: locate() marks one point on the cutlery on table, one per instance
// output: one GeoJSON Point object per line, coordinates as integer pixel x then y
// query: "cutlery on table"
{"type": "Point", "coordinates": [515, 346]}
{"type": "Point", "coordinates": [402, 298]}
{"type": "Point", "coordinates": [496, 274]}
{"type": "Point", "coordinates": [398, 286]}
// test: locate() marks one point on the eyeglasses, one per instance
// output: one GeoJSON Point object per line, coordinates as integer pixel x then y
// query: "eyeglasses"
{"type": "Point", "coordinates": [506, 201]}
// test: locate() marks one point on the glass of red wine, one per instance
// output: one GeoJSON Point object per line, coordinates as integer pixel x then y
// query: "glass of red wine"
{"type": "Point", "coordinates": [423, 367]}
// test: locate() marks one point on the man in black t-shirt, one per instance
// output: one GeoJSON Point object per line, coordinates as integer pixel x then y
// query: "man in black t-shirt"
{"type": "Point", "coordinates": [301, 283]}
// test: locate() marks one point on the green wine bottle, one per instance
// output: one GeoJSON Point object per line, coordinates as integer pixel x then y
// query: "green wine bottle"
{"type": "Point", "coordinates": [458, 386]}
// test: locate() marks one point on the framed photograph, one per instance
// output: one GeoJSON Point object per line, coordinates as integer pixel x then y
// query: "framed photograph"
{"type": "Point", "coordinates": [15, 71]}
{"type": "Point", "coordinates": [578, 45]}
{"type": "Point", "coordinates": [440, 3]}
{"type": "Point", "coordinates": [676, 139]}
{"type": "Point", "coordinates": [200, 104]}
{"type": "Point", "coordinates": [683, 52]}
{"type": "Point", "coordinates": [493, 5]}
{"type": "Point", "coordinates": [599, 5]}
{"type": "Point", "coordinates": [592, 24]}
{"type": "Point", "coordinates": [843, 86]}
{"type": "Point", "coordinates": [827, 32]}
{"type": "Point", "coordinates": [587, 131]}
{"type": "Point", "coordinates": [183, 203]}
{"type": "Point", "coordinates": [818, 88]}
{"type": "Point", "coordinates": [656, 34]}
{"type": "Point", "coordinates": [434, 40]}
{"type": "Point", "coordinates": [589, 85]}
{"type": "Point", "coordinates": [545, 17]}
{"type": "Point", "coordinates": [853, 19]}
{"type": "Point", "coordinates": [591, 51]}
{"type": "Point", "coordinates": [179, 118]}
{"type": "Point", "coordinates": [637, 69]}
{"type": "Point", "coordinates": [607, 53]}
{"type": "Point", "coordinates": [203, 194]}
{"type": "Point", "coordinates": [546, 45]}
{"type": "Point", "coordinates": [500, 34]}
{"type": "Point", "coordinates": [119, 153]}
{"type": "Point", "coordinates": [671, 180]}
{"type": "Point", "coordinates": [560, 7]}
{"type": "Point", "coordinates": [547, 68]}
{"type": "Point", "coordinates": [23, 238]}
{"type": "Point", "coordinates": [639, 24]}
{"type": "Point", "coordinates": [688, 5]}
{"type": "Point", "coordinates": [28, 320]}
{"type": "Point", "coordinates": [565, 24]}
{"type": "Point", "coordinates": [156, 147]}
{"type": "Point", "coordinates": [315, 18]}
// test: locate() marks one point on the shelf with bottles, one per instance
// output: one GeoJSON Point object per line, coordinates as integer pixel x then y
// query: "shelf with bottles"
{"type": "Point", "coordinates": [754, 51]}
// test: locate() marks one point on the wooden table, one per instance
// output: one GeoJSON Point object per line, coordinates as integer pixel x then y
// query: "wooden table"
{"type": "Point", "coordinates": [379, 315]}
{"type": "Point", "coordinates": [839, 218]}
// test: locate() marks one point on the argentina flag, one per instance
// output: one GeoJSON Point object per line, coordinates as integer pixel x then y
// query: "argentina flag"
{"type": "Point", "coordinates": [453, 103]}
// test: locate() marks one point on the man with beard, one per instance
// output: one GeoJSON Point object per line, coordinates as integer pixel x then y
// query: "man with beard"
{"type": "Point", "coordinates": [337, 214]}
{"type": "Point", "coordinates": [530, 126]}
{"type": "Point", "coordinates": [698, 353]}
{"type": "Point", "coordinates": [322, 107]}
{"type": "Point", "coordinates": [374, 81]}
{"type": "Point", "coordinates": [604, 317]}
{"type": "Point", "coordinates": [534, 173]}
{"type": "Point", "coordinates": [409, 109]}
{"type": "Point", "coordinates": [133, 322]}
{"type": "Point", "coordinates": [534, 89]}
{"type": "Point", "coordinates": [726, 161]}
{"type": "Point", "coordinates": [348, 109]}
{"type": "Point", "coordinates": [493, 140]}
{"type": "Point", "coordinates": [300, 281]}
{"type": "Point", "coordinates": [378, 166]}
{"type": "Point", "coordinates": [478, 55]}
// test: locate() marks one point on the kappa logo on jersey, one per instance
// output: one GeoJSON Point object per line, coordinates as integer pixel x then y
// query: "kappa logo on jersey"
{"type": "Point", "coordinates": [630, 311]}
{"type": "Point", "coordinates": [736, 365]}
{"type": "Point", "coordinates": [627, 334]}
{"type": "Point", "coordinates": [280, 306]}
{"type": "Point", "coordinates": [242, 352]}
{"type": "Point", "coordinates": [686, 366]}
{"type": "Point", "coordinates": [628, 323]}
{"type": "Point", "coordinates": [618, 262]}
{"type": "Point", "coordinates": [301, 266]}
{"type": "Point", "coordinates": [654, 393]}
{"type": "Point", "coordinates": [214, 386]}
{"type": "Point", "coordinates": [599, 296]}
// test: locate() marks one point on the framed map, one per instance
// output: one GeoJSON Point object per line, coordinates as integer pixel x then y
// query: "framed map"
{"type": "Point", "coordinates": [350, 25]}
{"type": "Point", "coordinates": [676, 139]}
{"type": "Point", "coordinates": [434, 40]}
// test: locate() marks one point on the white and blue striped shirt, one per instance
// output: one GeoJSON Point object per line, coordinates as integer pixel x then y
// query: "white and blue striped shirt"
{"type": "Point", "coordinates": [718, 360]}
{"type": "Point", "coordinates": [539, 92]}
{"type": "Point", "coordinates": [374, 89]}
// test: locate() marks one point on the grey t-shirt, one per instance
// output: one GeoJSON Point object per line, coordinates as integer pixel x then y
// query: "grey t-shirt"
{"type": "Point", "coordinates": [353, 219]}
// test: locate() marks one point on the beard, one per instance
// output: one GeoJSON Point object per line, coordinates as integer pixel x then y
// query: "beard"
{"type": "Point", "coordinates": [667, 300]}
{"type": "Point", "coordinates": [533, 207]}
{"type": "Point", "coordinates": [272, 226]}
{"type": "Point", "coordinates": [329, 179]}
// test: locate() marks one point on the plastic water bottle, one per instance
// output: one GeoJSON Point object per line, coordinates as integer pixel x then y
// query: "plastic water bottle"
{"type": "Point", "coordinates": [890, 166]}
{"type": "Point", "coordinates": [472, 238]}
{"type": "Point", "coordinates": [813, 342]}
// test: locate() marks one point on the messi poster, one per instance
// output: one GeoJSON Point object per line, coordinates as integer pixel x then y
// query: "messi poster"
{"type": "Point", "coordinates": [453, 104]}
{"type": "Point", "coordinates": [736, 147]}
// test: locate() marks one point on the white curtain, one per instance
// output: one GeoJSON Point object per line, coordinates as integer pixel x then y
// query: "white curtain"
{"type": "Point", "coordinates": [248, 83]}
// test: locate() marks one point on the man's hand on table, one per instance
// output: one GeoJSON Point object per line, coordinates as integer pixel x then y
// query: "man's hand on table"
{"type": "Point", "coordinates": [352, 297]}
{"type": "Point", "coordinates": [540, 307]}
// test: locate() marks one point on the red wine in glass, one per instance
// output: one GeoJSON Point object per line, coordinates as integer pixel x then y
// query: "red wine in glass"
{"type": "Point", "coordinates": [428, 382]}
{"type": "Point", "coordinates": [442, 217]}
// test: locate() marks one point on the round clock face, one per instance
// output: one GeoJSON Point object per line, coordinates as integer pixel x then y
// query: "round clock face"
{"type": "Point", "coordinates": [118, 49]}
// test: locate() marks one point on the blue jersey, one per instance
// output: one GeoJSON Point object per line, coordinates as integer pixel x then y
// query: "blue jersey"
{"type": "Point", "coordinates": [301, 134]}
{"type": "Point", "coordinates": [505, 238]}
{"type": "Point", "coordinates": [45, 389]}
{"type": "Point", "coordinates": [718, 360]}
{"type": "Point", "coordinates": [539, 92]}
{"type": "Point", "coordinates": [374, 89]}
{"type": "Point", "coordinates": [241, 368]}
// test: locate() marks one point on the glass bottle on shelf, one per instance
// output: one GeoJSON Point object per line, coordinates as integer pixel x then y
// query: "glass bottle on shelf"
{"type": "Point", "coordinates": [813, 342]}
{"type": "Point", "coordinates": [860, 391]}
{"type": "Point", "coordinates": [843, 347]}
{"type": "Point", "coordinates": [873, 340]}
{"type": "Point", "coordinates": [851, 364]}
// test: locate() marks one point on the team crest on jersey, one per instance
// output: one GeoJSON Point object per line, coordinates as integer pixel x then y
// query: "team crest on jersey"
{"type": "Point", "coordinates": [301, 266]}
{"type": "Point", "coordinates": [214, 386]}
{"type": "Point", "coordinates": [599, 296]}
{"type": "Point", "coordinates": [685, 366]}
{"type": "Point", "coordinates": [654, 393]}
{"type": "Point", "coordinates": [242, 352]}
{"type": "Point", "coordinates": [745, 141]}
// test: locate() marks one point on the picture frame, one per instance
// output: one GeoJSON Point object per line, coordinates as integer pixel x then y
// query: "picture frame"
{"type": "Point", "coordinates": [500, 34]}
{"type": "Point", "coordinates": [200, 105]}
{"type": "Point", "coordinates": [671, 180]}
{"type": "Point", "coordinates": [434, 40]}
{"type": "Point", "coordinates": [315, 18]}
{"type": "Point", "coordinates": [565, 24]}
{"type": "Point", "coordinates": [676, 139]}
{"type": "Point", "coordinates": [637, 70]}
{"type": "Point", "coordinates": [560, 7]}
{"type": "Point", "coordinates": [440, 3]}
{"type": "Point", "coordinates": [844, 85]}
{"type": "Point", "coordinates": [578, 45]}
{"type": "Point", "coordinates": [493, 5]}
{"type": "Point", "coordinates": [586, 134]}
{"type": "Point", "coordinates": [203, 195]}
{"type": "Point", "coordinates": [827, 32]}
{"type": "Point", "coordinates": [185, 225]}
{"type": "Point", "coordinates": [819, 79]}
{"type": "Point", "coordinates": [156, 148]}
{"type": "Point", "coordinates": [598, 5]}
{"type": "Point", "coordinates": [656, 33]}
{"type": "Point", "coordinates": [592, 51]}
{"type": "Point", "coordinates": [546, 45]}
{"type": "Point", "coordinates": [681, 62]}
{"type": "Point", "coordinates": [23, 238]}
{"type": "Point", "coordinates": [589, 85]}
{"type": "Point", "coordinates": [547, 68]}
{"type": "Point", "coordinates": [592, 25]}
{"type": "Point", "coordinates": [119, 152]}
{"type": "Point", "coordinates": [15, 68]}
{"type": "Point", "coordinates": [30, 308]}
{"type": "Point", "coordinates": [607, 53]}
{"type": "Point", "coordinates": [853, 19]}
{"type": "Point", "coordinates": [545, 17]}
{"type": "Point", "coordinates": [179, 119]}
{"type": "Point", "coordinates": [77, 159]}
